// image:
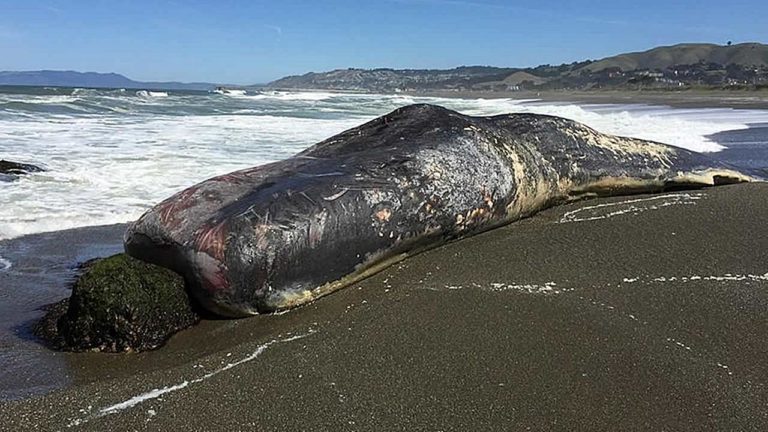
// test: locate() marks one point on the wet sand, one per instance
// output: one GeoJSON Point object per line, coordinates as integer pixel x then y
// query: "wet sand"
{"type": "Point", "coordinates": [632, 313]}
{"type": "Point", "coordinates": [42, 267]}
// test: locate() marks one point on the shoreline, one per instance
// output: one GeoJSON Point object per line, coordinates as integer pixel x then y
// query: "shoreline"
{"type": "Point", "coordinates": [691, 98]}
{"type": "Point", "coordinates": [677, 99]}
{"type": "Point", "coordinates": [608, 313]}
{"type": "Point", "coordinates": [42, 269]}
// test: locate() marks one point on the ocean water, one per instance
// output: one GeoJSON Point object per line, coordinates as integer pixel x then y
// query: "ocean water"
{"type": "Point", "coordinates": [112, 154]}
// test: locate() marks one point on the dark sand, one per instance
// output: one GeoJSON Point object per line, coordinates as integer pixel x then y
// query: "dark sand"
{"type": "Point", "coordinates": [470, 336]}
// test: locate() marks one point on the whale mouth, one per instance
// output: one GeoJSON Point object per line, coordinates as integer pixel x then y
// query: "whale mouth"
{"type": "Point", "coordinates": [610, 186]}
{"type": "Point", "coordinates": [713, 177]}
{"type": "Point", "coordinates": [720, 180]}
{"type": "Point", "coordinates": [198, 267]}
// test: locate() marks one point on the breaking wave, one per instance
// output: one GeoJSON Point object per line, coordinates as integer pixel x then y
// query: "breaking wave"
{"type": "Point", "coordinates": [111, 154]}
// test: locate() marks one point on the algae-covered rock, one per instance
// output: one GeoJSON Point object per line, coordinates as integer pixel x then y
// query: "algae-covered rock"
{"type": "Point", "coordinates": [123, 304]}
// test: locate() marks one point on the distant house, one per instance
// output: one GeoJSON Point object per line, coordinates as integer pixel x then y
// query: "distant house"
{"type": "Point", "coordinates": [651, 74]}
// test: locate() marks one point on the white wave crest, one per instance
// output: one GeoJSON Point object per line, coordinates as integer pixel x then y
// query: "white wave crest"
{"type": "Point", "coordinates": [230, 92]}
{"type": "Point", "coordinates": [151, 94]}
{"type": "Point", "coordinates": [295, 96]}
{"type": "Point", "coordinates": [105, 170]}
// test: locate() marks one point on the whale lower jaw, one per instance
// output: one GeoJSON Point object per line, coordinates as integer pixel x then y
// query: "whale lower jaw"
{"type": "Point", "coordinates": [610, 186]}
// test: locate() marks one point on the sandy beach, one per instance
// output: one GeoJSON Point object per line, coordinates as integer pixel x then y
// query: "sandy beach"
{"type": "Point", "coordinates": [403, 215]}
{"type": "Point", "coordinates": [629, 313]}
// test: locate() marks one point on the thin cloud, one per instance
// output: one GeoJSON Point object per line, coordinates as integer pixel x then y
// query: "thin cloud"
{"type": "Point", "coordinates": [53, 10]}
{"type": "Point", "coordinates": [277, 29]}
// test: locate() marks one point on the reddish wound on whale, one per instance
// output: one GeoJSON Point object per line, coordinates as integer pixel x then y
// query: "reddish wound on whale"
{"type": "Point", "coordinates": [214, 277]}
{"type": "Point", "coordinates": [212, 240]}
{"type": "Point", "coordinates": [169, 209]}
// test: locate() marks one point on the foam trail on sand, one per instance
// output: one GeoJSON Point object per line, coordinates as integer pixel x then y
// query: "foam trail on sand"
{"type": "Point", "coordinates": [156, 393]}
{"type": "Point", "coordinates": [631, 206]}
{"type": "Point", "coordinates": [728, 277]}
{"type": "Point", "coordinates": [153, 394]}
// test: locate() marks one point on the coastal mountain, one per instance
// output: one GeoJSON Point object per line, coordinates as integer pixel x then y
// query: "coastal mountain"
{"type": "Point", "coordinates": [692, 65]}
{"type": "Point", "coordinates": [50, 78]}
{"type": "Point", "coordinates": [390, 79]}
{"type": "Point", "coordinates": [679, 66]}
{"type": "Point", "coordinates": [746, 54]}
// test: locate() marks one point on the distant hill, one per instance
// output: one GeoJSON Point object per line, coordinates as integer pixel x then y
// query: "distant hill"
{"type": "Point", "coordinates": [394, 79]}
{"type": "Point", "coordinates": [743, 65]}
{"type": "Point", "coordinates": [680, 66]}
{"type": "Point", "coordinates": [49, 78]}
{"type": "Point", "coordinates": [746, 54]}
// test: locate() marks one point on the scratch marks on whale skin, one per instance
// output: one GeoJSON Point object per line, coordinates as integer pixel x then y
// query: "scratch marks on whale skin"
{"type": "Point", "coordinates": [630, 207]}
{"type": "Point", "coordinates": [335, 196]}
{"type": "Point", "coordinates": [620, 146]}
{"type": "Point", "coordinates": [159, 392]}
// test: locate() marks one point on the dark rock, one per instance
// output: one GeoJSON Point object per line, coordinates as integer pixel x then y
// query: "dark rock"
{"type": "Point", "coordinates": [119, 304]}
{"type": "Point", "coordinates": [46, 328]}
{"type": "Point", "coordinates": [9, 171]}
{"type": "Point", "coordinates": [16, 168]}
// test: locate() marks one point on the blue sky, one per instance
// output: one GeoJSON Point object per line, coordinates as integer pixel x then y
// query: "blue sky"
{"type": "Point", "coordinates": [239, 41]}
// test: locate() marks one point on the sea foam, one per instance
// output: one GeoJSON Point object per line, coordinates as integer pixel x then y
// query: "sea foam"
{"type": "Point", "coordinates": [112, 155]}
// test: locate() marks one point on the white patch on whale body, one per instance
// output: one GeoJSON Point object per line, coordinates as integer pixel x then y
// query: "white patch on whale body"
{"type": "Point", "coordinates": [632, 206]}
{"type": "Point", "coordinates": [620, 145]}
{"type": "Point", "coordinates": [156, 393]}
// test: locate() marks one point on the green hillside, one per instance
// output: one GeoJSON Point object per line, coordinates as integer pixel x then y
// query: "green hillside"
{"type": "Point", "coordinates": [745, 54]}
{"type": "Point", "coordinates": [699, 65]}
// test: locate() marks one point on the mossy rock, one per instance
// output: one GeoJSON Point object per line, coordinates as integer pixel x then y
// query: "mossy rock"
{"type": "Point", "coordinates": [123, 304]}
